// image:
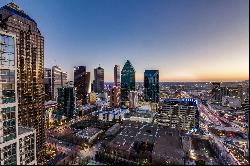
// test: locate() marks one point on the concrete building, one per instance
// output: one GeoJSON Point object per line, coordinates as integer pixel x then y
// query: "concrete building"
{"type": "Point", "coordinates": [133, 99]}
{"type": "Point", "coordinates": [231, 102]}
{"type": "Point", "coordinates": [92, 98]}
{"type": "Point", "coordinates": [178, 113]}
{"type": "Point", "coordinates": [30, 58]}
{"type": "Point", "coordinates": [117, 76]}
{"type": "Point", "coordinates": [116, 114]}
{"type": "Point", "coordinates": [50, 107]}
{"type": "Point", "coordinates": [115, 94]}
{"type": "Point", "coordinates": [17, 144]}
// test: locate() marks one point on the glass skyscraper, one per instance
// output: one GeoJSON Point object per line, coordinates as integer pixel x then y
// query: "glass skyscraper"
{"type": "Point", "coordinates": [151, 85]}
{"type": "Point", "coordinates": [127, 81]}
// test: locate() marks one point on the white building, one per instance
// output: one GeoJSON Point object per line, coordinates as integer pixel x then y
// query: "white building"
{"type": "Point", "coordinates": [17, 144]}
{"type": "Point", "coordinates": [110, 115]}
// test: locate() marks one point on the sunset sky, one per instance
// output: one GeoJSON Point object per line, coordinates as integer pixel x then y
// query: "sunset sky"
{"type": "Point", "coordinates": [187, 40]}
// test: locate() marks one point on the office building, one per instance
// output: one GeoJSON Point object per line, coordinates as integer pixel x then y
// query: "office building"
{"type": "Point", "coordinates": [56, 80]}
{"type": "Point", "coordinates": [115, 96]}
{"type": "Point", "coordinates": [30, 65]}
{"type": "Point", "coordinates": [127, 81]}
{"type": "Point", "coordinates": [92, 98]}
{"type": "Point", "coordinates": [66, 102]}
{"type": "Point", "coordinates": [47, 84]}
{"type": "Point", "coordinates": [178, 113]}
{"type": "Point", "coordinates": [17, 144]}
{"type": "Point", "coordinates": [216, 91]}
{"type": "Point", "coordinates": [133, 99]}
{"type": "Point", "coordinates": [99, 80]}
{"type": "Point", "coordinates": [151, 85]}
{"type": "Point", "coordinates": [64, 78]}
{"type": "Point", "coordinates": [117, 75]}
{"type": "Point", "coordinates": [81, 83]}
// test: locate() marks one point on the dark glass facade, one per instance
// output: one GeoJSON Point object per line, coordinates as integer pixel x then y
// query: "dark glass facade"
{"type": "Point", "coordinates": [98, 80]}
{"type": "Point", "coordinates": [117, 75]}
{"type": "Point", "coordinates": [127, 81]}
{"type": "Point", "coordinates": [81, 83]}
{"type": "Point", "coordinates": [151, 85]}
{"type": "Point", "coordinates": [47, 84]}
{"type": "Point", "coordinates": [66, 102]}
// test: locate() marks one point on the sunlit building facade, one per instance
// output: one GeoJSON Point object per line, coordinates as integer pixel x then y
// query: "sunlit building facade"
{"type": "Point", "coordinates": [30, 70]}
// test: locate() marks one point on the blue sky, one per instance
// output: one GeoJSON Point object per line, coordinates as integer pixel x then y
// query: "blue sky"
{"type": "Point", "coordinates": [184, 39]}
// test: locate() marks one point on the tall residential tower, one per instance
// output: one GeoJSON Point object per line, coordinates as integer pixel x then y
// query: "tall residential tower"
{"type": "Point", "coordinates": [30, 70]}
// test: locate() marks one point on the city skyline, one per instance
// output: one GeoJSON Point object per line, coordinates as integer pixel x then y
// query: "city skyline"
{"type": "Point", "coordinates": [184, 40]}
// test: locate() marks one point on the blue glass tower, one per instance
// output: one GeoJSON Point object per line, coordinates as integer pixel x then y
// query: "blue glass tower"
{"type": "Point", "coordinates": [151, 85]}
{"type": "Point", "coordinates": [127, 80]}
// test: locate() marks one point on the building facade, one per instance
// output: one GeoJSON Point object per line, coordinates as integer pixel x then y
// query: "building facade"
{"type": "Point", "coordinates": [15, 149]}
{"type": "Point", "coordinates": [99, 80]}
{"type": "Point", "coordinates": [178, 113]}
{"type": "Point", "coordinates": [47, 84]}
{"type": "Point", "coordinates": [133, 99]}
{"type": "Point", "coordinates": [66, 102]}
{"type": "Point", "coordinates": [117, 75]}
{"type": "Point", "coordinates": [30, 70]}
{"type": "Point", "coordinates": [151, 86]}
{"type": "Point", "coordinates": [127, 81]}
{"type": "Point", "coordinates": [115, 96]}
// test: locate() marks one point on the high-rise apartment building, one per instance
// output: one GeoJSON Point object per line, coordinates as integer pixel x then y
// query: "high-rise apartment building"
{"type": "Point", "coordinates": [30, 70]}
{"type": "Point", "coordinates": [216, 91]}
{"type": "Point", "coordinates": [66, 101]}
{"type": "Point", "coordinates": [99, 80]}
{"type": "Point", "coordinates": [117, 76]}
{"type": "Point", "coordinates": [47, 84]}
{"type": "Point", "coordinates": [151, 85]}
{"type": "Point", "coordinates": [17, 144]}
{"type": "Point", "coordinates": [115, 93]}
{"type": "Point", "coordinates": [81, 83]}
{"type": "Point", "coordinates": [127, 81]}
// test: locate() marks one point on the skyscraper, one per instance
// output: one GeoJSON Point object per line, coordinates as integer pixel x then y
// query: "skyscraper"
{"type": "Point", "coordinates": [117, 79]}
{"type": "Point", "coordinates": [30, 70]}
{"type": "Point", "coordinates": [47, 84]}
{"type": "Point", "coordinates": [81, 83]}
{"type": "Point", "coordinates": [56, 80]}
{"type": "Point", "coordinates": [17, 144]}
{"type": "Point", "coordinates": [151, 85]}
{"type": "Point", "coordinates": [99, 80]}
{"type": "Point", "coordinates": [115, 96]}
{"type": "Point", "coordinates": [67, 101]}
{"type": "Point", "coordinates": [127, 81]}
